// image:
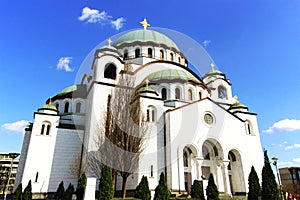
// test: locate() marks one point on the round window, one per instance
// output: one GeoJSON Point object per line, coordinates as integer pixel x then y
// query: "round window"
{"type": "Point", "coordinates": [208, 118]}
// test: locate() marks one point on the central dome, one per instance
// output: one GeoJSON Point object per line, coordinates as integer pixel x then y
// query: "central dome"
{"type": "Point", "coordinates": [145, 36]}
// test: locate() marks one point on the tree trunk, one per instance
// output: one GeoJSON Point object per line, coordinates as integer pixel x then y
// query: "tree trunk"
{"type": "Point", "coordinates": [124, 184]}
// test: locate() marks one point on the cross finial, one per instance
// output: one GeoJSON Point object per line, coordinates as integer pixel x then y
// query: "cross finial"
{"type": "Point", "coordinates": [236, 99]}
{"type": "Point", "coordinates": [109, 41]}
{"type": "Point", "coordinates": [145, 23]}
{"type": "Point", "coordinates": [212, 66]}
{"type": "Point", "coordinates": [147, 83]}
{"type": "Point", "coordinates": [50, 101]}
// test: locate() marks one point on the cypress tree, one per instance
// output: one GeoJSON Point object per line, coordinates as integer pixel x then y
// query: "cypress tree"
{"type": "Point", "coordinates": [142, 190]}
{"type": "Point", "coordinates": [162, 191]}
{"type": "Point", "coordinates": [69, 192]}
{"type": "Point", "coordinates": [80, 187]}
{"type": "Point", "coordinates": [59, 195]}
{"type": "Point", "coordinates": [212, 192]}
{"type": "Point", "coordinates": [106, 190]}
{"type": "Point", "coordinates": [269, 185]}
{"type": "Point", "coordinates": [27, 194]}
{"type": "Point", "coordinates": [197, 190]}
{"type": "Point", "coordinates": [17, 195]}
{"type": "Point", "coordinates": [254, 187]}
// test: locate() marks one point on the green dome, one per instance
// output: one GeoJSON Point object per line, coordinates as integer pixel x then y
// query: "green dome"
{"type": "Point", "coordinates": [212, 72]}
{"type": "Point", "coordinates": [145, 36]}
{"type": "Point", "coordinates": [172, 74]}
{"type": "Point", "coordinates": [48, 107]}
{"type": "Point", "coordinates": [238, 105]}
{"type": "Point", "coordinates": [67, 90]}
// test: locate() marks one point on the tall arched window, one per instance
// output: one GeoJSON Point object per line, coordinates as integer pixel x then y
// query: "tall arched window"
{"type": "Point", "coordinates": [42, 129]}
{"type": "Point", "coordinates": [185, 159]}
{"type": "Point", "coordinates": [177, 93]}
{"type": "Point", "coordinates": [190, 94]}
{"type": "Point", "coordinates": [171, 57]}
{"type": "Point", "coordinates": [110, 72]}
{"type": "Point", "coordinates": [179, 60]}
{"type": "Point", "coordinates": [205, 153]}
{"type": "Point", "coordinates": [137, 53]}
{"type": "Point", "coordinates": [125, 54]}
{"type": "Point", "coordinates": [48, 129]}
{"type": "Point", "coordinates": [164, 93]}
{"type": "Point", "coordinates": [66, 110]}
{"type": "Point", "coordinates": [78, 107]}
{"type": "Point", "coordinates": [222, 92]}
{"type": "Point", "coordinates": [150, 53]}
{"type": "Point", "coordinates": [200, 95]}
{"type": "Point", "coordinates": [161, 54]}
{"type": "Point", "coordinates": [248, 127]}
{"type": "Point", "coordinates": [151, 114]}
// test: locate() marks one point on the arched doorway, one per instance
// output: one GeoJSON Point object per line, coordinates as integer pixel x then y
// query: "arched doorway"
{"type": "Point", "coordinates": [190, 167]}
{"type": "Point", "coordinates": [213, 163]}
{"type": "Point", "coordinates": [235, 173]}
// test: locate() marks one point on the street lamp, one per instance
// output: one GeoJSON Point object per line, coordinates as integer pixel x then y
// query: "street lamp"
{"type": "Point", "coordinates": [279, 182]}
{"type": "Point", "coordinates": [12, 156]}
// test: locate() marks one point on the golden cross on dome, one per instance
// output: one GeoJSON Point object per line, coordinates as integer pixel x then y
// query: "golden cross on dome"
{"type": "Point", "coordinates": [147, 83]}
{"type": "Point", "coordinates": [212, 66]}
{"type": "Point", "coordinates": [109, 41]}
{"type": "Point", "coordinates": [145, 23]}
{"type": "Point", "coordinates": [50, 101]}
{"type": "Point", "coordinates": [236, 99]}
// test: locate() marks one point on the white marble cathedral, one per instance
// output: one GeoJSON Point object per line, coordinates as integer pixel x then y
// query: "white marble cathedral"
{"type": "Point", "coordinates": [197, 126]}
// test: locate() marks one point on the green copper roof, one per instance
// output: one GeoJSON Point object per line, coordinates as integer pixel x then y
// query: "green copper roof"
{"type": "Point", "coordinates": [213, 72]}
{"type": "Point", "coordinates": [238, 105]}
{"type": "Point", "coordinates": [48, 106]}
{"type": "Point", "coordinates": [147, 89]}
{"type": "Point", "coordinates": [67, 90]}
{"type": "Point", "coordinates": [171, 74]}
{"type": "Point", "coordinates": [145, 36]}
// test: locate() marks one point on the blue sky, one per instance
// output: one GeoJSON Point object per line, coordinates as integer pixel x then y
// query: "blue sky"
{"type": "Point", "coordinates": [255, 43]}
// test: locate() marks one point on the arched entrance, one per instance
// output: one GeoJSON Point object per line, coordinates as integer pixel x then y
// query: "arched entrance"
{"type": "Point", "coordinates": [212, 154]}
{"type": "Point", "coordinates": [190, 167]}
{"type": "Point", "coordinates": [235, 173]}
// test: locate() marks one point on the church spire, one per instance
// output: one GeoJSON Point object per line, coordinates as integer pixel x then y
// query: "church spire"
{"type": "Point", "coordinates": [145, 24]}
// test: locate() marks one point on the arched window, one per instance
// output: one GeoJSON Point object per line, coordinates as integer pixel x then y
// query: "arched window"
{"type": "Point", "coordinates": [151, 114]}
{"type": "Point", "coordinates": [66, 110]}
{"type": "Point", "coordinates": [179, 60]}
{"type": "Point", "coordinates": [161, 54]}
{"type": "Point", "coordinates": [200, 95]}
{"type": "Point", "coordinates": [137, 53]}
{"type": "Point", "coordinates": [248, 127]}
{"type": "Point", "coordinates": [78, 107]}
{"type": "Point", "coordinates": [57, 106]}
{"type": "Point", "coordinates": [164, 93]}
{"type": "Point", "coordinates": [48, 129]}
{"type": "Point", "coordinates": [125, 54]}
{"type": "Point", "coordinates": [190, 94]}
{"type": "Point", "coordinates": [171, 57]}
{"type": "Point", "coordinates": [42, 129]}
{"type": "Point", "coordinates": [110, 72]}
{"type": "Point", "coordinates": [177, 93]}
{"type": "Point", "coordinates": [222, 92]}
{"type": "Point", "coordinates": [150, 53]}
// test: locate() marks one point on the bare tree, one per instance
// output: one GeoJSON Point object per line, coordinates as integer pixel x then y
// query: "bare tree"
{"type": "Point", "coordinates": [124, 129]}
{"type": "Point", "coordinates": [75, 166]}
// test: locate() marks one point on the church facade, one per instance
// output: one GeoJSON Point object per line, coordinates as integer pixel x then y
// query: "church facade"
{"type": "Point", "coordinates": [197, 126]}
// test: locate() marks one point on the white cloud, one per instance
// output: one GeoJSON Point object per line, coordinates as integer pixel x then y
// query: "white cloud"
{"type": "Point", "coordinates": [292, 146]}
{"type": "Point", "coordinates": [296, 160]}
{"type": "Point", "coordinates": [118, 23]}
{"type": "Point", "coordinates": [17, 126]}
{"type": "Point", "coordinates": [64, 64]}
{"type": "Point", "coordinates": [93, 16]}
{"type": "Point", "coordinates": [206, 43]}
{"type": "Point", "coordinates": [284, 125]}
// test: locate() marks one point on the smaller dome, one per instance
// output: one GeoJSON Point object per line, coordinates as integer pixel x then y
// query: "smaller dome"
{"type": "Point", "coordinates": [67, 90]}
{"type": "Point", "coordinates": [147, 90]}
{"type": "Point", "coordinates": [238, 105]}
{"type": "Point", "coordinates": [172, 74]}
{"type": "Point", "coordinates": [213, 72]}
{"type": "Point", "coordinates": [109, 47]}
{"type": "Point", "coordinates": [48, 107]}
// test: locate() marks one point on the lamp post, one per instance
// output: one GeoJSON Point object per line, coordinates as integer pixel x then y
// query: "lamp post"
{"type": "Point", "coordinates": [12, 156]}
{"type": "Point", "coordinates": [279, 181]}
